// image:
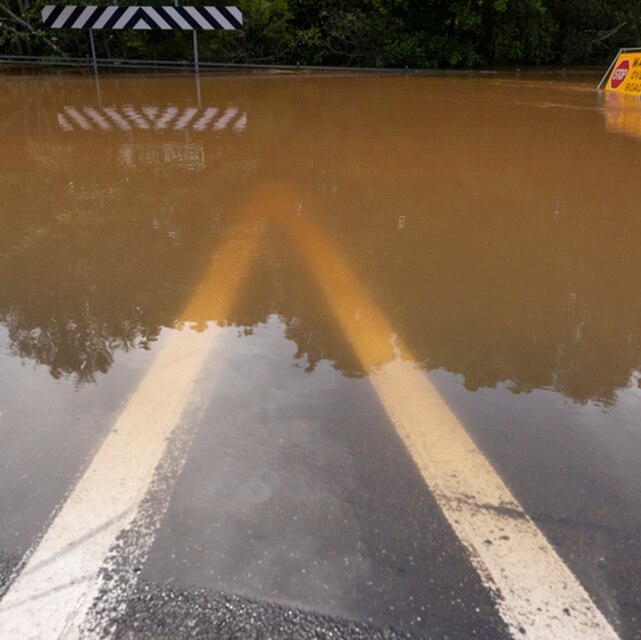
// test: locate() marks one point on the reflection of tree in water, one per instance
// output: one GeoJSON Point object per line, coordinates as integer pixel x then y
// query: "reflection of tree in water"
{"type": "Point", "coordinates": [91, 279]}
{"type": "Point", "coordinates": [70, 304]}
{"type": "Point", "coordinates": [80, 347]}
{"type": "Point", "coordinates": [74, 316]}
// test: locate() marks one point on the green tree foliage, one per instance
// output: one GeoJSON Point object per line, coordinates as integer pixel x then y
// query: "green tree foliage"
{"type": "Point", "coordinates": [377, 33]}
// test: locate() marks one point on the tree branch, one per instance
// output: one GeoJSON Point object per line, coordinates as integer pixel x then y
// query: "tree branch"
{"type": "Point", "coordinates": [23, 23]}
{"type": "Point", "coordinates": [609, 33]}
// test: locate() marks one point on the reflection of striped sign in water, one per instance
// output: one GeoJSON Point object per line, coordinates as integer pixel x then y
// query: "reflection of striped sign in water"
{"type": "Point", "coordinates": [151, 118]}
{"type": "Point", "coordinates": [165, 18]}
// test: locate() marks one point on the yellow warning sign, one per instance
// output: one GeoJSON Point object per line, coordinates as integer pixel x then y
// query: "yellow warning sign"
{"type": "Point", "coordinates": [625, 74]}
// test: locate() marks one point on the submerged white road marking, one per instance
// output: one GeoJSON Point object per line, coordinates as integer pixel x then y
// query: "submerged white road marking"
{"type": "Point", "coordinates": [536, 590]}
{"type": "Point", "coordinates": [536, 594]}
{"type": "Point", "coordinates": [51, 596]}
{"type": "Point", "coordinates": [60, 580]}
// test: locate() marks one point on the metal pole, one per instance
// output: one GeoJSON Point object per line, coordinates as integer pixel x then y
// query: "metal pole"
{"type": "Point", "coordinates": [98, 94]}
{"type": "Point", "coordinates": [198, 90]}
{"type": "Point", "coordinates": [195, 50]}
{"type": "Point", "coordinates": [93, 52]}
{"type": "Point", "coordinates": [607, 73]}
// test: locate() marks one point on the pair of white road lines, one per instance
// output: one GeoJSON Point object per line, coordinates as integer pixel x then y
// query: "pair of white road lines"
{"type": "Point", "coordinates": [536, 594]}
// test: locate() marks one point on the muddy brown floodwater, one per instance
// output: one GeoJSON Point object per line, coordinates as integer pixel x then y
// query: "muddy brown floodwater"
{"type": "Point", "coordinates": [490, 225]}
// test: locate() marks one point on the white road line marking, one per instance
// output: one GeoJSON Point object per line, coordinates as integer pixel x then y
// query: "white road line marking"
{"type": "Point", "coordinates": [537, 591]}
{"type": "Point", "coordinates": [60, 580]}
{"type": "Point", "coordinates": [120, 572]}
{"type": "Point", "coordinates": [57, 586]}
{"type": "Point", "coordinates": [537, 595]}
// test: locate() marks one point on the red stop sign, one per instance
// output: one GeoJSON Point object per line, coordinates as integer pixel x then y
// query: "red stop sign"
{"type": "Point", "coordinates": [619, 74]}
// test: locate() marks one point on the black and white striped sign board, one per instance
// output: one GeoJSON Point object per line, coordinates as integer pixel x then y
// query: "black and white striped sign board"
{"type": "Point", "coordinates": [137, 18]}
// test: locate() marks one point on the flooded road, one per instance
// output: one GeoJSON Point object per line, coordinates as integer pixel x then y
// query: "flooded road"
{"type": "Point", "coordinates": [292, 356]}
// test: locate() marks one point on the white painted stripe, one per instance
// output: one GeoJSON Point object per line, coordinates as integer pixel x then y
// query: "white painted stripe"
{"type": "Point", "coordinates": [102, 20]}
{"type": "Point", "coordinates": [62, 18]}
{"type": "Point", "coordinates": [83, 17]}
{"type": "Point", "coordinates": [125, 17]}
{"type": "Point", "coordinates": [121, 123]}
{"type": "Point", "coordinates": [195, 15]}
{"type": "Point", "coordinates": [237, 13]}
{"type": "Point", "coordinates": [177, 18]}
{"type": "Point", "coordinates": [219, 17]}
{"type": "Point", "coordinates": [222, 122]}
{"type": "Point", "coordinates": [46, 11]}
{"type": "Point", "coordinates": [204, 120]}
{"type": "Point", "coordinates": [98, 118]}
{"type": "Point", "coordinates": [141, 25]}
{"type": "Point", "coordinates": [64, 123]}
{"type": "Point", "coordinates": [59, 582]}
{"type": "Point", "coordinates": [118, 576]}
{"type": "Point", "coordinates": [537, 592]}
{"type": "Point", "coordinates": [78, 118]}
{"type": "Point", "coordinates": [156, 17]}
{"type": "Point", "coordinates": [187, 115]}
{"type": "Point", "coordinates": [165, 119]}
{"type": "Point", "coordinates": [241, 123]}
{"type": "Point", "coordinates": [151, 112]}
{"type": "Point", "coordinates": [135, 117]}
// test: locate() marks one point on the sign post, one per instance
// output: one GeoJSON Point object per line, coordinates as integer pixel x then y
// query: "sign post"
{"type": "Point", "coordinates": [93, 52]}
{"type": "Point", "coordinates": [195, 50]}
{"type": "Point", "coordinates": [164, 18]}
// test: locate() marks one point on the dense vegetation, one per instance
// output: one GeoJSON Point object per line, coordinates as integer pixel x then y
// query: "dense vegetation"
{"type": "Point", "coordinates": [380, 33]}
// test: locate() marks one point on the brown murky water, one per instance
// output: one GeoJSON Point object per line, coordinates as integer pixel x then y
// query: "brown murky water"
{"type": "Point", "coordinates": [493, 222]}
{"type": "Point", "coordinates": [496, 222]}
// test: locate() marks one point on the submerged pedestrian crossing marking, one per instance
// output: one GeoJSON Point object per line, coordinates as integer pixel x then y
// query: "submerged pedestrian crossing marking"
{"type": "Point", "coordinates": [534, 589]}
